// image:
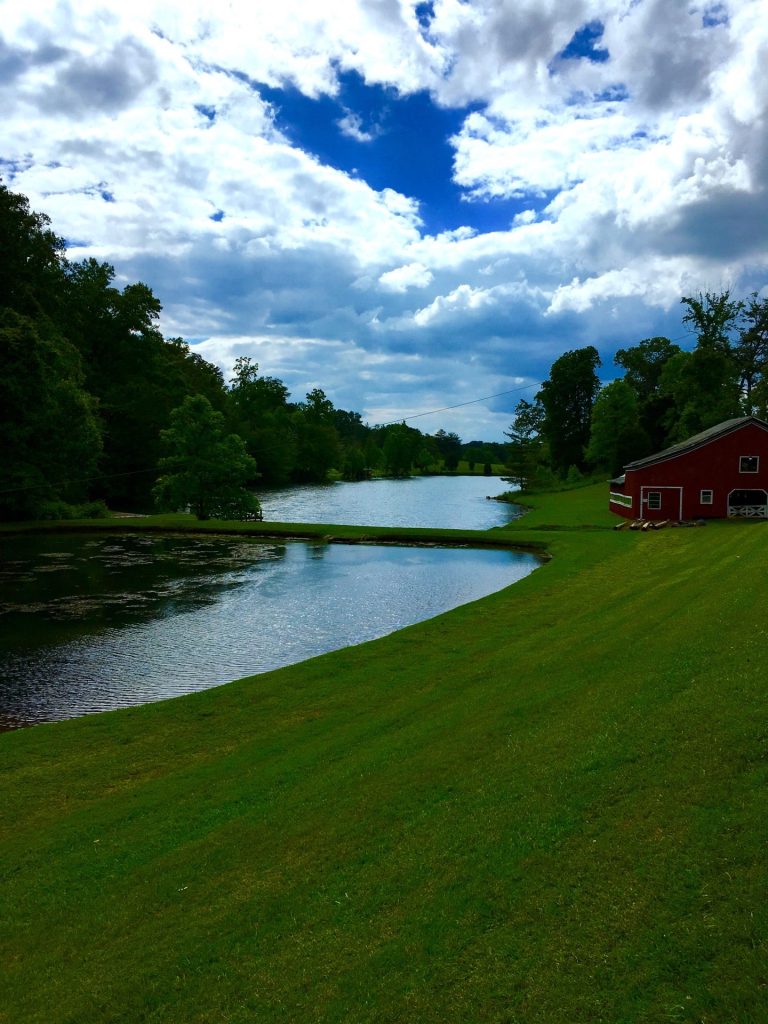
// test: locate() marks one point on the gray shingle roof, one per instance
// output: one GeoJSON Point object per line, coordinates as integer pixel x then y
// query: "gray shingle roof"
{"type": "Point", "coordinates": [726, 427]}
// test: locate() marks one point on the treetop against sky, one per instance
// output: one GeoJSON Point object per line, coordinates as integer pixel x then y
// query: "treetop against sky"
{"type": "Point", "coordinates": [408, 204]}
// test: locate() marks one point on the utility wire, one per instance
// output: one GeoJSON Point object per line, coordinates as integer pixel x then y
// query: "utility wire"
{"type": "Point", "coordinates": [459, 405]}
{"type": "Point", "coordinates": [271, 448]}
{"type": "Point", "coordinates": [260, 451]}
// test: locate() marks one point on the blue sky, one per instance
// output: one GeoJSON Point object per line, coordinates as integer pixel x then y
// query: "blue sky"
{"type": "Point", "coordinates": [401, 142]}
{"type": "Point", "coordinates": [410, 205]}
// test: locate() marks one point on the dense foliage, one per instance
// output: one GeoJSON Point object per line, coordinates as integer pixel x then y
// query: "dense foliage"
{"type": "Point", "coordinates": [666, 395]}
{"type": "Point", "coordinates": [205, 468]}
{"type": "Point", "coordinates": [89, 386]}
{"type": "Point", "coordinates": [91, 395]}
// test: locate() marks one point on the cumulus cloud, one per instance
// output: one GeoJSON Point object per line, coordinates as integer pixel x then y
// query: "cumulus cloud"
{"type": "Point", "coordinates": [412, 275]}
{"type": "Point", "coordinates": [636, 170]}
{"type": "Point", "coordinates": [669, 281]}
{"type": "Point", "coordinates": [462, 300]}
{"type": "Point", "coordinates": [351, 124]}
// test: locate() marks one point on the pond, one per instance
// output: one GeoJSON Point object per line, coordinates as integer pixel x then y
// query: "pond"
{"type": "Point", "coordinates": [451, 503]}
{"type": "Point", "coordinates": [89, 623]}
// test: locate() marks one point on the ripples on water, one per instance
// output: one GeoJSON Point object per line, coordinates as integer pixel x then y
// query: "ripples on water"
{"type": "Point", "coordinates": [450, 503]}
{"type": "Point", "coordinates": [92, 623]}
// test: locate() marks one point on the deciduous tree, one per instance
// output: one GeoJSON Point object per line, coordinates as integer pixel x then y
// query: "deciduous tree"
{"type": "Point", "coordinates": [751, 353]}
{"type": "Point", "coordinates": [400, 447]}
{"type": "Point", "coordinates": [643, 365]}
{"type": "Point", "coordinates": [205, 468]}
{"type": "Point", "coordinates": [712, 316]}
{"type": "Point", "coordinates": [526, 443]}
{"type": "Point", "coordinates": [449, 445]}
{"type": "Point", "coordinates": [616, 436]}
{"type": "Point", "coordinates": [704, 389]}
{"type": "Point", "coordinates": [50, 438]}
{"type": "Point", "coordinates": [567, 398]}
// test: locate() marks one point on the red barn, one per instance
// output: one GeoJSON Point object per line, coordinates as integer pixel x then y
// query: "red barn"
{"type": "Point", "coordinates": [720, 472]}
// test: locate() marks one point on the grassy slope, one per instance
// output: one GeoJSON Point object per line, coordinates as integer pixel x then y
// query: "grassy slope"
{"type": "Point", "coordinates": [545, 806]}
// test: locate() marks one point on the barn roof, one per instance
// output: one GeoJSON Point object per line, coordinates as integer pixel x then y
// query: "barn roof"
{"type": "Point", "coordinates": [719, 430]}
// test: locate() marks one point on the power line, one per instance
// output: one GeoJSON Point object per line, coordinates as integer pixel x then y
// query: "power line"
{"type": "Point", "coordinates": [274, 448]}
{"type": "Point", "coordinates": [487, 398]}
{"type": "Point", "coordinates": [77, 480]}
{"type": "Point", "coordinates": [459, 405]}
{"type": "Point", "coordinates": [256, 451]}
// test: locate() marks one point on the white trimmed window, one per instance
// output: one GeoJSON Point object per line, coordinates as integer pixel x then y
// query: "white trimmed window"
{"type": "Point", "coordinates": [654, 500]}
{"type": "Point", "coordinates": [706, 497]}
{"type": "Point", "coordinates": [749, 463]}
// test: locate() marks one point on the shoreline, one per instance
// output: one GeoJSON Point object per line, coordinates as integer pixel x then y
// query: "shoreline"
{"type": "Point", "coordinates": [544, 805]}
{"type": "Point", "coordinates": [498, 537]}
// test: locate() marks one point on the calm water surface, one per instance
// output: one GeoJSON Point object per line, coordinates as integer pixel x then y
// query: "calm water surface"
{"type": "Point", "coordinates": [455, 503]}
{"type": "Point", "coordinates": [89, 623]}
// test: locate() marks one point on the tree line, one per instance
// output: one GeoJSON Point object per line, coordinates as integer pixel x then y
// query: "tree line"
{"type": "Point", "coordinates": [576, 426]}
{"type": "Point", "coordinates": [98, 409]}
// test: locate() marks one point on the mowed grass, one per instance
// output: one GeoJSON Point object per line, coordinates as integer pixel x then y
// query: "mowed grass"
{"type": "Point", "coordinates": [546, 806]}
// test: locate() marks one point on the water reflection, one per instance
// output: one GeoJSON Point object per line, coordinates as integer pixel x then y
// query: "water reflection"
{"type": "Point", "coordinates": [91, 623]}
{"type": "Point", "coordinates": [451, 503]}
{"type": "Point", "coordinates": [115, 581]}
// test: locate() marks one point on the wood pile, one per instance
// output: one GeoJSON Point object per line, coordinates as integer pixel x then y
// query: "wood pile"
{"type": "Point", "coordinates": [655, 524]}
{"type": "Point", "coordinates": [644, 524]}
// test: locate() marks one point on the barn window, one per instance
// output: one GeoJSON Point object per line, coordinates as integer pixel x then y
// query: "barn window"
{"type": "Point", "coordinates": [654, 500]}
{"type": "Point", "coordinates": [706, 497]}
{"type": "Point", "coordinates": [749, 463]}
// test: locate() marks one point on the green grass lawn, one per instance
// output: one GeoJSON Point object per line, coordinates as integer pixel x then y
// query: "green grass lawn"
{"type": "Point", "coordinates": [546, 806]}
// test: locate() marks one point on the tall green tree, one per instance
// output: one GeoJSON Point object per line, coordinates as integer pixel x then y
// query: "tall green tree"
{"type": "Point", "coordinates": [50, 437]}
{"type": "Point", "coordinates": [137, 377]}
{"type": "Point", "coordinates": [189, 374]}
{"type": "Point", "coordinates": [317, 441]}
{"type": "Point", "coordinates": [353, 463]}
{"type": "Point", "coordinates": [350, 427]}
{"type": "Point", "coordinates": [712, 316]}
{"type": "Point", "coordinates": [449, 446]}
{"type": "Point", "coordinates": [704, 388]}
{"type": "Point", "coordinates": [32, 258]}
{"type": "Point", "coordinates": [401, 444]}
{"type": "Point", "coordinates": [526, 443]}
{"type": "Point", "coordinates": [643, 365]}
{"type": "Point", "coordinates": [259, 412]}
{"type": "Point", "coordinates": [751, 353]}
{"type": "Point", "coordinates": [616, 436]}
{"type": "Point", "coordinates": [318, 408]}
{"type": "Point", "coordinates": [204, 467]}
{"type": "Point", "coordinates": [374, 456]}
{"type": "Point", "coordinates": [567, 397]}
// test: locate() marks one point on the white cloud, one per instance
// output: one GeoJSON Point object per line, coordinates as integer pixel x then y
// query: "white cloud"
{"type": "Point", "coordinates": [133, 125]}
{"type": "Point", "coordinates": [352, 125]}
{"type": "Point", "coordinates": [461, 300]}
{"type": "Point", "coordinates": [543, 151]}
{"type": "Point", "coordinates": [660, 284]}
{"type": "Point", "coordinates": [412, 275]}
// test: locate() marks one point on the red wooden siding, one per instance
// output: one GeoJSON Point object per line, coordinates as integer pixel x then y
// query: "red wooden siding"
{"type": "Point", "coordinates": [679, 479]}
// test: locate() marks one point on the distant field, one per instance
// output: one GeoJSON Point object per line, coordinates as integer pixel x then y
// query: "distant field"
{"type": "Point", "coordinates": [497, 468]}
{"type": "Point", "coordinates": [546, 806]}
